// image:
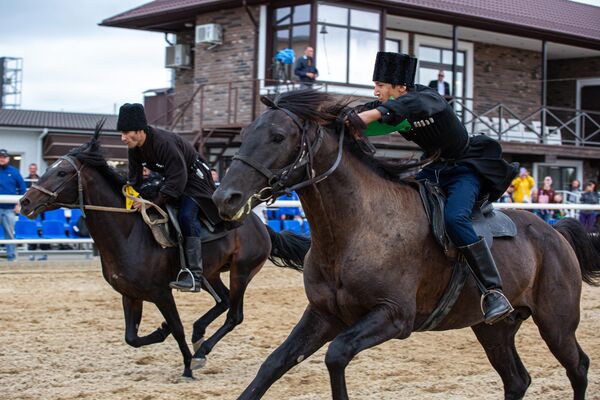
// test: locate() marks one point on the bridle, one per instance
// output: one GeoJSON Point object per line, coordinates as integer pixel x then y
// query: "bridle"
{"type": "Point", "coordinates": [80, 204]}
{"type": "Point", "coordinates": [277, 178]}
{"type": "Point", "coordinates": [54, 194]}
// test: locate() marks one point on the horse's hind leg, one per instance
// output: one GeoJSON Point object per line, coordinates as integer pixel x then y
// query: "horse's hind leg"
{"type": "Point", "coordinates": [219, 308]}
{"type": "Point", "coordinates": [498, 341]}
{"type": "Point", "coordinates": [557, 325]}
{"type": "Point", "coordinates": [167, 307]}
{"type": "Point", "coordinates": [133, 316]}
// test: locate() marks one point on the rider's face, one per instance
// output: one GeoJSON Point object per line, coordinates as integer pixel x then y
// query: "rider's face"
{"type": "Point", "coordinates": [383, 91]}
{"type": "Point", "coordinates": [133, 138]}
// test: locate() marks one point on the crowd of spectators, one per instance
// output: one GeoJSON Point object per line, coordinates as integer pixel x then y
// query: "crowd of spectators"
{"type": "Point", "coordinates": [523, 189]}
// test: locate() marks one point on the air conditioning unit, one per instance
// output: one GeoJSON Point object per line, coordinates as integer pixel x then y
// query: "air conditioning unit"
{"type": "Point", "coordinates": [209, 33]}
{"type": "Point", "coordinates": [178, 56]}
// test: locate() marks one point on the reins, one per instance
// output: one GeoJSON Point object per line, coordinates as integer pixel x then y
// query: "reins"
{"type": "Point", "coordinates": [146, 204]}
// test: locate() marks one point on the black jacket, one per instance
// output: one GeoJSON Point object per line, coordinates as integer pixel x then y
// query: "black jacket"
{"type": "Point", "coordinates": [304, 65]}
{"type": "Point", "coordinates": [177, 160]}
{"type": "Point", "coordinates": [434, 86]}
{"type": "Point", "coordinates": [436, 128]}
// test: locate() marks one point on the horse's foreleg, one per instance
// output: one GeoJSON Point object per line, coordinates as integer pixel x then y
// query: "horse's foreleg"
{"type": "Point", "coordinates": [219, 308]}
{"type": "Point", "coordinates": [168, 309]}
{"type": "Point", "coordinates": [240, 277]}
{"type": "Point", "coordinates": [383, 323]}
{"type": "Point", "coordinates": [309, 335]}
{"type": "Point", "coordinates": [133, 316]}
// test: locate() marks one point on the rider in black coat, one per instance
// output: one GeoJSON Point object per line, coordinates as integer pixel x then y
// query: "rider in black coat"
{"type": "Point", "coordinates": [187, 182]}
{"type": "Point", "coordinates": [467, 167]}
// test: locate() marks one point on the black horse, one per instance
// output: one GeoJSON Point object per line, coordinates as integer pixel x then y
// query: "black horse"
{"type": "Point", "coordinates": [136, 266]}
{"type": "Point", "coordinates": [374, 271]}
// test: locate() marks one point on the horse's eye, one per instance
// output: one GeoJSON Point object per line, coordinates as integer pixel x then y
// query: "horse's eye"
{"type": "Point", "coordinates": [278, 137]}
{"type": "Point", "coordinates": [61, 174]}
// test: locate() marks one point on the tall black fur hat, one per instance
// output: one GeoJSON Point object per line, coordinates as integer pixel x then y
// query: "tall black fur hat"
{"type": "Point", "coordinates": [395, 68]}
{"type": "Point", "coordinates": [131, 118]}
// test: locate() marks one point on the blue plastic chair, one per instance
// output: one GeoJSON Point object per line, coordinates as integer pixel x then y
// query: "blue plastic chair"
{"type": "Point", "coordinates": [275, 224]}
{"type": "Point", "coordinates": [55, 215]}
{"type": "Point", "coordinates": [292, 225]}
{"type": "Point", "coordinates": [25, 229]}
{"type": "Point", "coordinates": [75, 215]}
{"type": "Point", "coordinates": [53, 230]}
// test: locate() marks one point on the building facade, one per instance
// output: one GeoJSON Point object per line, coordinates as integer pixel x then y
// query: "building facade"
{"type": "Point", "coordinates": [527, 74]}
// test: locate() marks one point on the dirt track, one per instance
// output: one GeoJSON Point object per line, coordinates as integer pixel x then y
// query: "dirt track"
{"type": "Point", "coordinates": [62, 338]}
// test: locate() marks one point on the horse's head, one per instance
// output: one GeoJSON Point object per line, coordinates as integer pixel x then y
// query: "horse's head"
{"type": "Point", "coordinates": [60, 185]}
{"type": "Point", "coordinates": [275, 154]}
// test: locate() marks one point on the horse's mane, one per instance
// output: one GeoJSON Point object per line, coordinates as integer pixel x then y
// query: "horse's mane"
{"type": "Point", "coordinates": [91, 154]}
{"type": "Point", "coordinates": [324, 109]}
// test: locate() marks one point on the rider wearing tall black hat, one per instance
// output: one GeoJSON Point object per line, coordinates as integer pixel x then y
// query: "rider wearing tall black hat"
{"type": "Point", "coordinates": [467, 167]}
{"type": "Point", "coordinates": [187, 182]}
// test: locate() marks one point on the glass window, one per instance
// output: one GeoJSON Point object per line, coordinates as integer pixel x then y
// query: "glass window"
{"type": "Point", "coordinates": [393, 45]}
{"type": "Point", "coordinates": [364, 19]}
{"type": "Point", "coordinates": [300, 39]}
{"type": "Point", "coordinates": [302, 13]}
{"type": "Point", "coordinates": [283, 16]}
{"type": "Point", "coordinates": [282, 39]}
{"type": "Point", "coordinates": [333, 15]}
{"type": "Point", "coordinates": [332, 58]}
{"type": "Point", "coordinates": [363, 46]}
{"type": "Point", "coordinates": [429, 54]}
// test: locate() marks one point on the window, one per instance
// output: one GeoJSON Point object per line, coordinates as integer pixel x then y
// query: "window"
{"type": "Point", "coordinates": [291, 29]}
{"type": "Point", "coordinates": [434, 59]}
{"type": "Point", "coordinates": [346, 38]}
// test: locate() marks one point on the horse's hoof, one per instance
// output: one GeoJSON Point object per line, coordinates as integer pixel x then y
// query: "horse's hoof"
{"type": "Point", "coordinates": [187, 375]}
{"type": "Point", "coordinates": [198, 363]}
{"type": "Point", "coordinates": [197, 344]}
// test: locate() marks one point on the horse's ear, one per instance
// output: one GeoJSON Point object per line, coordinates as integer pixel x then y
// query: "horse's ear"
{"type": "Point", "coordinates": [267, 101]}
{"type": "Point", "coordinates": [98, 128]}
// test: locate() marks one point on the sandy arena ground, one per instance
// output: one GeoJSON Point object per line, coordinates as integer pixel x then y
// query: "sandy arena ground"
{"type": "Point", "coordinates": [62, 337]}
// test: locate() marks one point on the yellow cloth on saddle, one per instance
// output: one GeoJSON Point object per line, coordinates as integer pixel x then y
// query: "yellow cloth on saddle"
{"type": "Point", "coordinates": [132, 192]}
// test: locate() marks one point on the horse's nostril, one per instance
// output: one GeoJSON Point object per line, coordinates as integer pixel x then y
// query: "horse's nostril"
{"type": "Point", "coordinates": [233, 199]}
{"type": "Point", "coordinates": [24, 202]}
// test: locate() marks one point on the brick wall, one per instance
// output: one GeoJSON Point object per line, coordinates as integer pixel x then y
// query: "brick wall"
{"type": "Point", "coordinates": [225, 72]}
{"type": "Point", "coordinates": [506, 75]}
{"type": "Point", "coordinates": [562, 79]}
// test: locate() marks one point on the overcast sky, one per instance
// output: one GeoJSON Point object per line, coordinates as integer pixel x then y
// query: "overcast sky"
{"type": "Point", "coordinates": [72, 64]}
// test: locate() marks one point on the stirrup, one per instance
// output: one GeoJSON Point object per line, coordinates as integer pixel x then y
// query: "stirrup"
{"type": "Point", "coordinates": [189, 272]}
{"type": "Point", "coordinates": [501, 294]}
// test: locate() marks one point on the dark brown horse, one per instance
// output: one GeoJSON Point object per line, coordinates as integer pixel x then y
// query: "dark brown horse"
{"type": "Point", "coordinates": [374, 271]}
{"type": "Point", "coordinates": [137, 267]}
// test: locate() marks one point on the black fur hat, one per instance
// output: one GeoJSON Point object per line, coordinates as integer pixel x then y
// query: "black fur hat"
{"type": "Point", "coordinates": [131, 118]}
{"type": "Point", "coordinates": [395, 68]}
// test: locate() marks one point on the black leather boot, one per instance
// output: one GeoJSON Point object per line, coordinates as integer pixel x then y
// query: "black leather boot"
{"type": "Point", "coordinates": [494, 305]}
{"type": "Point", "coordinates": [190, 281]}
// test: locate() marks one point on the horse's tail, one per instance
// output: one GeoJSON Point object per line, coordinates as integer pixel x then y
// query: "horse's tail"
{"type": "Point", "coordinates": [586, 246]}
{"type": "Point", "coordinates": [288, 249]}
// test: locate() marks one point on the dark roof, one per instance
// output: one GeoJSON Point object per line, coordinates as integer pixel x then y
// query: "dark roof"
{"type": "Point", "coordinates": [55, 120]}
{"type": "Point", "coordinates": [557, 19]}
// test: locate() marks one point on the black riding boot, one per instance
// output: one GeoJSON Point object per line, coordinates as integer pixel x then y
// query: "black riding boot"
{"type": "Point", "coordinates": [494, 305]}
{"type": "Point", "coordinates": [190, 281]}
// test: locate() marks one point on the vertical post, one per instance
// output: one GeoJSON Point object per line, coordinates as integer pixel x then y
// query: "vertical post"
{"type": "Point", "coordinates": [1, 82]}
{"type": "Point", "coordinates": [544, 86]}
{"type": "Point", "coordinates": [383, 30]}
{"type": "Point", "coordinates": [454, 69]}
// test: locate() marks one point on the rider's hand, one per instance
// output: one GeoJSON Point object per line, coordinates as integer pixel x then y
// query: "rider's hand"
{"type": "Point", "coordinates": [137, 204]}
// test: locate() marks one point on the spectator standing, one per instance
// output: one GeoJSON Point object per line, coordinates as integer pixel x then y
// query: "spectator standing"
{"type": "Point", "coordinates": [33, 175]}
{"type": "Point", "coordinates": [305, 68]}
{"type": "Point", "coordinates": [573, 197]}
{"type": "Point", "coordinates": [507, 197]}
{"type": "Point", "coordinates": [523, 185]}
{"type": "Point", "coordinates": [215, 176]}
{"type": "Point", "coordinates": [440, 85]}
{"type": "Point", "coordinates": [589, 196]}
{"type": "Point", "coordinates": [545, 195]}
{"type": "Point", "coordinates": [11, 182]}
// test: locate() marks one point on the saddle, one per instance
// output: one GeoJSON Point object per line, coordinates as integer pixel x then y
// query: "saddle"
{"type": "Point", "coordinates": [167, 233]}
{"type": "Point", "coordinates": [487, 223]}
